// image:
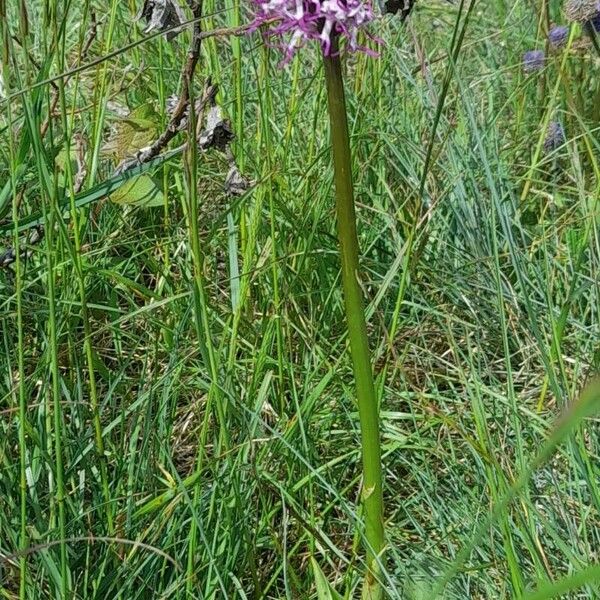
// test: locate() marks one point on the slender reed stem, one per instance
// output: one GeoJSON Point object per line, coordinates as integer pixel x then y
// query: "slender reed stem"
{"type": "Point", "coordinates": [372, 496]}
{"type": "Point", "coordinates": [49, 208]}
{"type": "Point", "coordinates": [22, 402]}
{"type": "Point", "coordinates": [81, 276]}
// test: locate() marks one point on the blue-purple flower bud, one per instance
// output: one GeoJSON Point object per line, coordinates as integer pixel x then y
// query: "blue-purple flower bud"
{"type": "Point", "coordinates": [555, 136]}
{"type": "Point", "coordinates": [558, 35]}
{"type": "Point", "coordinates": [533, 61]}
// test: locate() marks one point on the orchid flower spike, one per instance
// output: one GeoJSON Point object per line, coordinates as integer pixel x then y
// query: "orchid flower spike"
{"type": "Point", "coordinates": [296, 22]}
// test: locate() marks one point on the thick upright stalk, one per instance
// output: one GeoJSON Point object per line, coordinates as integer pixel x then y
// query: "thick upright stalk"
{"type": "Point", "coordinates": [357, 328]}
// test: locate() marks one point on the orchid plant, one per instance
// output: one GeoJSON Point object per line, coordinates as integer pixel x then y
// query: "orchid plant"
{"type": "Point", "coordinates": [293, 23]}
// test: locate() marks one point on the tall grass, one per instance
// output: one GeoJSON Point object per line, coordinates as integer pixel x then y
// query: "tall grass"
{"type": "Point", "coordinates": [177, 405]}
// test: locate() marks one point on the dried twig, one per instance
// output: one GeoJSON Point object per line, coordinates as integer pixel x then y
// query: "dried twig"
{"type": "Point", "coordinates": [180, 110]}
{"type": "Point", "coordinates": [175, 125]}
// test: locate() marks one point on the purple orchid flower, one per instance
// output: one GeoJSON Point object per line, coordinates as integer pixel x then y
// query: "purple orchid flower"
{"type": "Point", "coordinates": [299, 21]}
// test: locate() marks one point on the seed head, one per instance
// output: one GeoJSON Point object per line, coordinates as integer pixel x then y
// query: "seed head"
{"type": "Point", "coordinates": [533, 61]}
{"type": "Point", "coordinates": [581, 10]}
{"type": "Point", "coordinates": [299, 21]}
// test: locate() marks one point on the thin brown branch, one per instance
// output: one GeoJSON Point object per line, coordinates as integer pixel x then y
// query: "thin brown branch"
{"type": "Point", "coordinates": [181, 109]}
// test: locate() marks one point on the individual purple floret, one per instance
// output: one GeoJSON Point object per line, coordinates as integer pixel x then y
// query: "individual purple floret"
{"type": "Point", "coordinates": [533, 61]}
{"type": "Point", "coordinates": [299, 21]}
{"type": "Point", "coordinates": [558, 35]}
{"type": "Point", "coordinates": [555, 136]}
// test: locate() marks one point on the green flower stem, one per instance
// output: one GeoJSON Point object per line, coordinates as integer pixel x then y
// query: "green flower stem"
{"type": "Point", "coordinates": [372, 496]}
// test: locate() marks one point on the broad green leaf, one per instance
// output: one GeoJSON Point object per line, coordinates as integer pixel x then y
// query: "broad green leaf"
{"type": "Point", "coordinates": [136, 131]}
{"type": "Point", "coordinates": [60, 160]}
{"type": "Point", "coordinates": [325, 590]}
{"type": "Point", "coordinates": [93, 194]}
{"type": "Point", "coordinates": [139, 191]}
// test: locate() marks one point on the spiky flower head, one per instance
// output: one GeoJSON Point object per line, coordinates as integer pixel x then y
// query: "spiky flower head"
{"type": "Point", "coordinates": [555, 136]}
{"type": "Point", "coordinates": [581, 10]}
{"type": "Point", "coordinates": [296, 22]}
{"type": "Point", "coordinates": [533, 61]}
{"type": "Point", "coordinates": [558, 35]}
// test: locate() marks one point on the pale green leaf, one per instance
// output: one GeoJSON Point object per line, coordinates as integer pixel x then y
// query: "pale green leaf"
{"type": "Point", "coordinates": [325, 590]}
{"type": "Point", "coordinates": [136, 131]}
{"type": "Point", "coordinates": [139, 191]}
